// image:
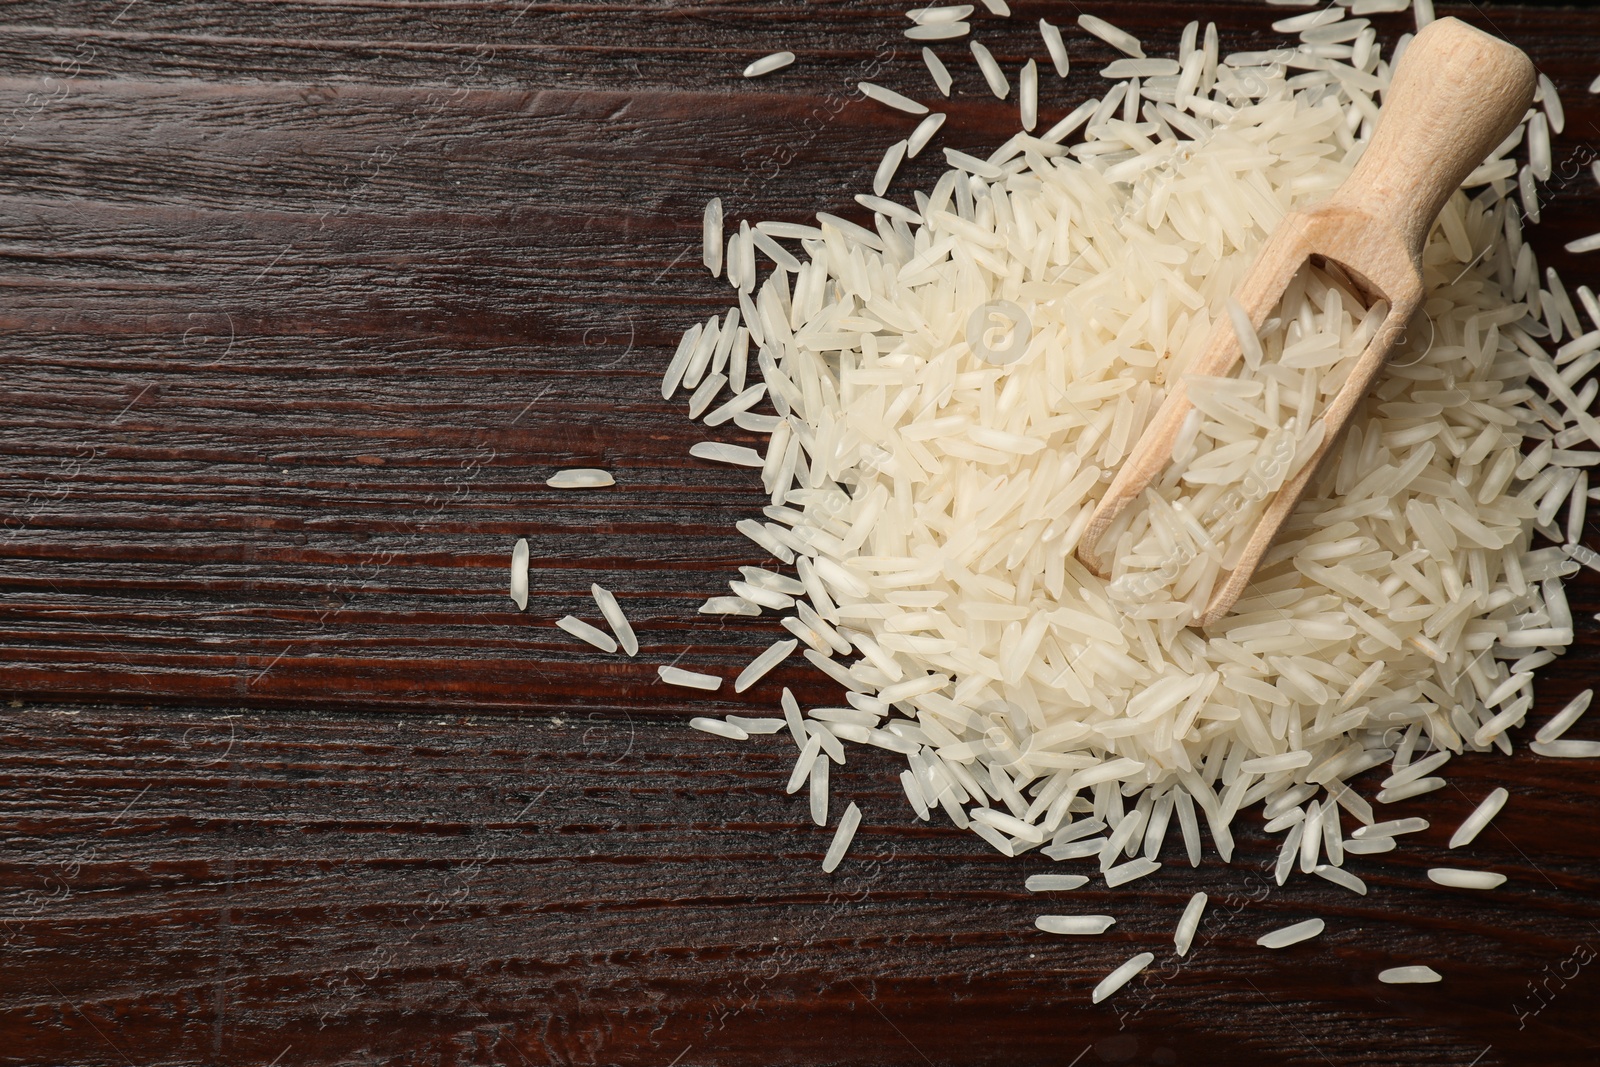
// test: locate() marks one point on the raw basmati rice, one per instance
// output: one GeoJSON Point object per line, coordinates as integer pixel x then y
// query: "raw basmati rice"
{"type": "Point", "coordinates": [801, 771]}
{"type": "Point", "coordinates": [752, 726]}
{"type": "Point", "coordinates": [774, 655]}
{"type": "Point", "coordinates": [1073, 850]}
{"type": "Point", "coordinates": [1055, 883]}
{"type": "Point", "coordinates": [779, 255]}
{"type": "Point", "coordinates": [1188, 923]}
{"type": "Point", "coordinates": [791, 717]}
{"type": "Point", "coordinates": [615, 618]}
{"type": "Point", "coordinates": [913, 791]}
{"type": "Point", "coordinates": [519, 574]}
{"type": "Point", "coordinates": [778, 583]}
{"type": "Point", "coordinates": [1473, 824]}
{"type": "Point", "coordinates": [842, 837]}
{"type": "Point", "coordinates": [711, 236]}
{"type": "Point", "coordinates": [1340, 877]}
{"type": "Point", "coordinates": [1074, 924]}
{"type": "Point", "coordinates": [828, 736]}
{"type": "Point", "coordinates": [688, 679]}
{"type": "Point", "coordinates": [1566, 749]}
{"type": "Point", "coordinates": [1121, 976]}
{"type": "Point", "coordinates": [585, 632]}
{"type": "Point", "coordinates": [719, 728]}
{"type": "Point", "coordinates": [941, 76]}
{"type": "Point", "coordinates": [923, 134]}
{"type": "Point", "coordinates": [1056, 47]}
{"type": "Point", "coordinates": [1456, 878]}
{"type": "Point", "coordinates": [1140, 68]}
{"type": "Point", "coordinates": [927, 16]}
{"type": "Point", "coordinates": [1415, 788]}
{"type": "Point", "coordinates": [819, 791]}
{"type": "Point", "coordinates": [892, 159]}
{"type": "Point", "coordinates": [734, 407]}
{"type": "Point", "coordinates": [766, 65]}
{"type": "Point", "coordinates": [680, 360]}
{"type": "Point", "coordinates": [1550, 98]}
{"type": "Point", "coordinates": [704, 394]}
{"type": "Point", "coordinates": [1413, 974]}
{"type": "Point", "coordinates": [1562, 720]}
{"type": "Point", "coordinates": [1121, 40]}
{"type": "Point", "coordinates": [580, 478]}
{"type": "Point", "coordinates": [1028, 95]}
{"type": "Point", "coordinates": [1392, 828]}
{"type": "Point", "coordinates": [738, 455]}
{"type": "Point", "coordinates": [1369, 846]}
{"type": "Point", "coordinates": [759, 595]}
{"type": "Point", "coordinates": [1293, 934]}
{"type": "Point", "coordinates": [891, 98]}
{"type": "Point", "coordinates": [1539, 154]}
{"type": "Point", "coordinates": [939, 31]}
{"type": "Point", "coordinates": [1128, 872]}
{"type": "Point", "coordinates": [1308, 21]}
{"type": "Point", "coordinates": [992, 74]}
{"type": "Point", "coordinates": [936, 539]}
{"type": "Point", "coordinates": [728, 605]}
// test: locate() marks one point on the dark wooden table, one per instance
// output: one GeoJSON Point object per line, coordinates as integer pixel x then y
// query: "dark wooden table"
{"type": "Point", "coordinates": [299, 305]}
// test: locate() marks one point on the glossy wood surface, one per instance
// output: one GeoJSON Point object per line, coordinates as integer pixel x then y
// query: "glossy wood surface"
{"type": "Point", "coordinates": [300, 303]}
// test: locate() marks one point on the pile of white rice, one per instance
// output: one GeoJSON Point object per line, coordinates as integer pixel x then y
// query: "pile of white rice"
{"type": "Point", "coordinates": [951, 390]}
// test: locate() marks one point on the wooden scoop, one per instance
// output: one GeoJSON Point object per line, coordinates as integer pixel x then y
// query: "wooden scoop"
{"type": "Point", "coordinates": [1455, 96]}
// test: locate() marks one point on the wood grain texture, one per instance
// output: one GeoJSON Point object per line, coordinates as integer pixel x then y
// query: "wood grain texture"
{"type": "Point", "coordinates": [299, 305]}
{"type": "Point", "coordinates": [196, 888]}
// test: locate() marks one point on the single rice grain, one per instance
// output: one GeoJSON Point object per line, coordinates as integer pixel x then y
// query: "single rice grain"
{"type": "Point", "coordinates": [1074, 924]}
{"type": "Point", "coordinates": [1056, 47]}
{"type": "Point", "coordinates": [1028, 95]}
{"type": "Point", "coordinates": [615, 618]}
{"type": "Point", "coordinates": [711, 232]}
{"type": "Point", "coordinates": [1410, 975]}
{"type": "Point", "coordinates": [1562, 720]}
{"type": "Point", "coordinates": [848, 822]}
{"type": "Point", "coordinates": [892, 158]}
{"type": "Point", "coordinates": [584, 632]}
{"type": "Point", "coordinates": [719, 728]}
{"type": "Point", "coordinates": [519, 574]}
{"type": "Point", "coordinates": [1121, 976]}
{"type": "Point", "coordinates": [1188, 923]}
{"type": "Point", "coordinates": [1566, 749]}
{"type": "Point", "coordinates": [939, 31]}
{"type": "Point", "coordinates": [774, 655]}
{"type": "Point", "coordinates": [1340, 877]}
{"type": "Point", "coordinates": [688, 679]}
{"type": "Point", "coordinates": [719, 452]}
{"type": "Point", "coordinates": [580, 478]}
{"type": "Point", "coordinates": [1473, 824]}
{"type": "Point", "coordinates": [1456, 878]}
{"type": "Point", "coordinates": [1054, 883]}
{"type": "Point", "coordinates": [1119, 39]}
{"type": "Point", "coordinates": [1293, 934]}
{"type": "Point", "coordinates": [768, 64]}
{"type": "Point", "coordinates": [940, 73]}
{"type": "Point", "coordinates": [992, 74]}
{"type": "Point", "coordinates": [891, 98]}
{"type": "Point", "coordinates": [760, 725]}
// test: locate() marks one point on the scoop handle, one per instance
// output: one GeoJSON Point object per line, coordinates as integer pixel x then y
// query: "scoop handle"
{"type": "Point", "coordinates": [1455, 95]}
